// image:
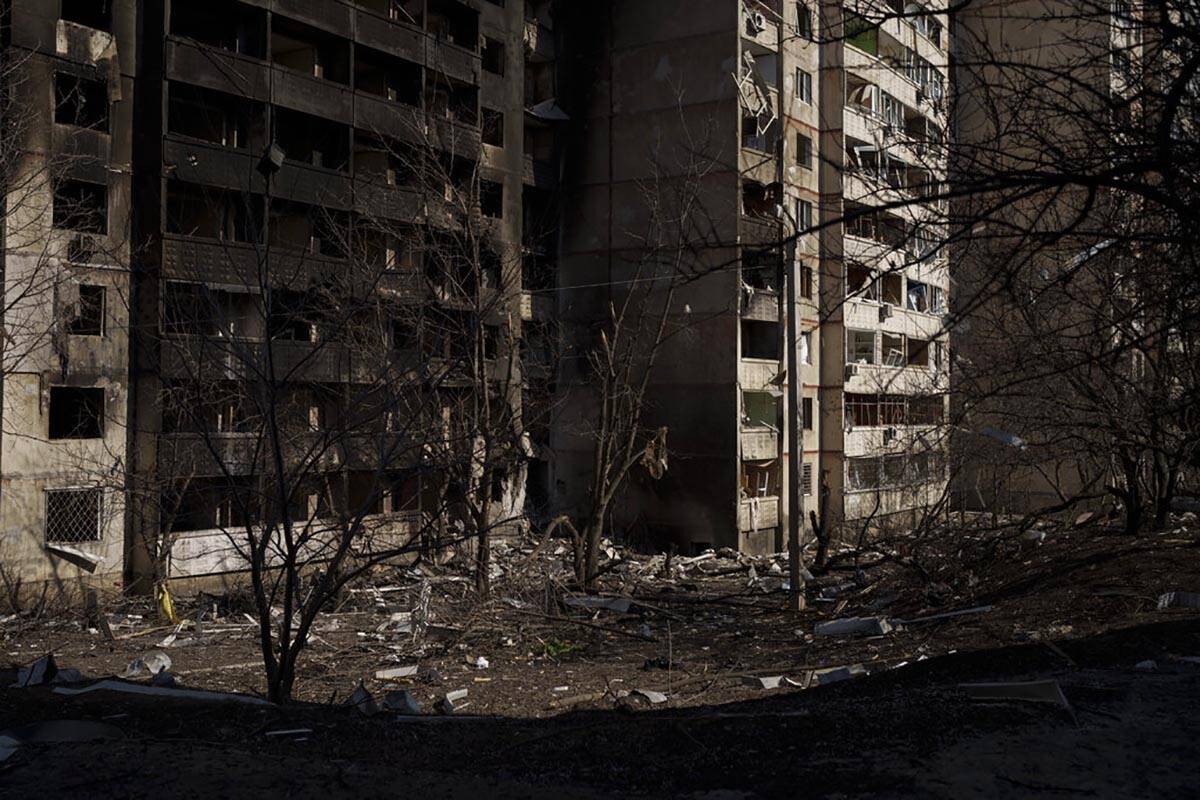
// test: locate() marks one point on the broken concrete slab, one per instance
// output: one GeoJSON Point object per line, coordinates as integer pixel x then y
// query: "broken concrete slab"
{"type": "Point", "coordinates": [401, 702]}
{"type": "Point", "coordinates": [1046, 691]}
{"type": "Point", "coordinates": [757, 682]}
{"type": "Point", "coordinates": [824, 677]}
{"type": "Point", "coordinates": [853, 626]}
{"type": "Point", "coordinates": [450, 701]}
{"type": "Point", "coordinates": [393, 673]}
{"type": "Point", "coordinates": [1178, 600]}
{"type": "Point", "coordinates": [159, 691]}
{"type": "Point", "coordinates": [56, 731]}
{"type": "Point", "coordinates": [620, 605]}
{"type": "Point", "coordinates": [363, 701]}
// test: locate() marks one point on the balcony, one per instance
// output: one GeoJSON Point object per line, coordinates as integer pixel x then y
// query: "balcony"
{"type": "Point", "coordinates": [758, 514]}
{"type": "Point", "coordinates": [317, 96]}
{"type": "Point", "coordinates": [384, 200]}
{"type": "Point", "coordinates": [217, 69]}
{"type": "Point", "coordinates": [390, 36]}
{"type": "Point", "coordinates": [211, 165]}
{"type": "Point", "coordinates": [388, 118]}
{"type": "Point", "coordinates": [539, 42]}
{"type": "Point", "coordinates": [762, 304]}
{"type": "Point", "coordinates": [759, 444]}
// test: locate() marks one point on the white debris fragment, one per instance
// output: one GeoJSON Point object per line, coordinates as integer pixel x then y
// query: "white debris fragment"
{"type": "Point", "coordinates": [853, 626]}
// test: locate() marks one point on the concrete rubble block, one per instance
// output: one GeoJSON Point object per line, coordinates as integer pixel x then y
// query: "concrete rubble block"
{"type": "Point", "coordinates": [1149, 665]}
{"type": "Point", "coordinates": [853, 626]}
{"type": "Point", "coordinates": [156, 661]}
{"type": "Point", "coordinates": [824, 677]}
{"type": "Point", "coordinates": [1047, 691]}
{"type": "Point", "coordinates": [58, 731]}
{"type": "Point", "coordinates": [757, 682]}
{"type": "Point", "coordinates": [402, 702]}
{"type": "Point", "coordinates": [39, 673]}
{"type": "Point", "coordinates": [449, 701]}
{"type": "Point", "coordinates": [619, 605]}
{"type": "Point", "coordinates": [1178, 600]}
{"type": "Point", "coordinates": [393, 673]}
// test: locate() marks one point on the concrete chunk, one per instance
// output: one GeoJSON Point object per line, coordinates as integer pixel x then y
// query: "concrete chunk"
{"type": "Point", "coordinates": [396, 672]}
{"type": "Point", "coordinates": [402, 702]}
{"type": "Point", "coordinates": [824, 677]}
{"type": "Point", "coordinates": [762, 683]}
{"type": "Point", "coordinates": [1178, 600]}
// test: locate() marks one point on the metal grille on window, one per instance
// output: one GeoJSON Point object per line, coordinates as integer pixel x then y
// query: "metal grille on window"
{"type": "Point", "coordinates": [806, 480]}
{"type": "Point", "coordinates": [72, 515]}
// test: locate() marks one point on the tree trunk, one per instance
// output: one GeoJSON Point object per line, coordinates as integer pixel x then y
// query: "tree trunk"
{"type": "Point", "coordinates": [591, 550]}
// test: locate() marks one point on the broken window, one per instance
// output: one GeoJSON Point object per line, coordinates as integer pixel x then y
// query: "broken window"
{"type": "Point", "coordinates": [492, 56]}
{"type": "Point", "coordinates": [862, 474]}
{"type": "Point", "coordinates": [760, 478]}
{"type": "Point", "coordinates": [806, 407]}
{"type": "Point", "coordinates": [759, 410]}
{"type": "Point", "coordinates": [759, 200]}
{"type": "Point", "coordinates": [918, 296]}
{"type": "Point", "coordinates": [860, 347]}
{"type": "Point", "coordinates": [760, 268]}
{"type": "Point", "coordinates": [892, 409]}
{"type": "Point", "coordinates": [89, 316]}
{"type": "Point", "coordinates": [453, 22]}
{"type": "Point", "coordinates": [937, 300]}
{"type": "Point", "coordinates": [806, 348]}
{"type": "Point", "coordinates": [76, 412]}
{"type": "Point", "coordinates": [492, 128]}
{"type": "Point", "coordinates": [89, 13]}
{"type": "Point", "coordinates": [862, 410]}
{"type": "Point", "coordinates": [212, 116]}
{"type": "Point", "coordinates": [760, 339]}
{"type": "Point", "coordinates": [893, 350]}
{"type": "Point", "coordinates": [891, 286]}
{"type": "Point", "coordinates": [81, 206]}
{"type": "Point", "coordinates": [806, 281]}
{"type": "Point", "coordinates": [860, 282]}
{"type": "Point", "coordinates": [804, 20]}
{"type": "Point", "coordinates": [72, 515]}
{"type": "Point", "coordinates": [918, 352]}
{"type": "Point", "coordinates": [763, 141]}
{"type": "Point", "coordinates": [80, 102]}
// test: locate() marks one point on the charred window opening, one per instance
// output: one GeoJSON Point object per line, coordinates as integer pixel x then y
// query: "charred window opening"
{"type": "Point", "coordinates": [760, 269]}
{"type": "Point", "coordinates": [95, 14]}
{"type": "Point", "coordinates": [492, 56]}
{"type": "Point", "coordinates": [309, 51]}
{"type": "Point", "coordinates": [491, 199]}
{"type": "Point", "coordinates": [203, 504]}
{"type": "Point", "coordinates": [760, 478]}
{"type": "Point", "coordinates": [292, 317]}
{"type": "Point", "coordinates": [81, 206]}
{"type": "Point", "coordinates": [76, 412]}
{"type": "Point", "coordinates": [80, 102]}
{"type": "Point", "coordinates": [89, 314]}
{"type": "Point", "coordinates": [213, 117]}
{"type": "Point", "coordinates": [226, 24]}
{"type": "Point", "coordinates": [492, 127]}
{"type": "Point", "coordinates": [194, 210]}
{"type": "Point", "coordinates": [314, 141]}
{"type": "Point", "coordinates": [760, 339]}
{"type": "Point", "coordinates": [385, 75]}
{"type": "Point", "coordinates": [760, 200]}
{"type": "Point", "coordinates": [453, 22]}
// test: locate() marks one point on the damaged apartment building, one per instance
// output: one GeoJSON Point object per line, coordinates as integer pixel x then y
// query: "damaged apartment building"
{"type": "Point", "coordinates": [239, 153]}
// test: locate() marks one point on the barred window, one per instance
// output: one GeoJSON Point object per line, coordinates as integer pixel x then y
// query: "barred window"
{"type": "Point", "coordinates": [72, 515]}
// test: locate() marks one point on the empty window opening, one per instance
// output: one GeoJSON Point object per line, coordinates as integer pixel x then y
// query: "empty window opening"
{"type": "Point", "coordinates": [804, 151]}
{"type": "Point", "coordinates": [491, 199]}
{"type": "Point", "coordinates": [804, 86]}
{"type": "Point", "coordinates": [493, 56]}
{"type": "Point", "coordinates": [90, 13]}
{"type": "Point", "coordinates": [760, 269]}
{"type": "Point", "coordinates": [226, 24]}
{"type": "Point", "coordinates": [213, 117]}
{"type": "Point", "coordinates": [89, 313]}
{"type": "Point", "coordinates": [760, 200]}
{"type": "Point", "coordinates": [309, 51]}
{"type": "Point", "coordinates": [492, 127]}
{"type": "Point", "coordinates": [385, 75]}
{"type": "Point", "coordinates": [760, 339]}
{"type": "Point", "coordinates": [76, 412]}
{"type": "Point", "coordinates": [453, 22]}
{"type": "Point", "coordinates": [893, 350]}
{"type": "Point", "coordinates": [760, 478]}
{"type": "Point", "coordinates": [806, 405]}
{"type": "Point", "coordinates": [81, 206]}
{"type": "Point", "coordinates": [81, 102]}
{"type": "Point", "coordinates": [918, 352]}
{"type": "Point", "coordinates": [891, 286]}
{"type": "Point", "coordinates": [72, 515]}
{"type": "Point", "coordinates": [760, 410]}
{"type": "Point", "coordinates": [860, 282]}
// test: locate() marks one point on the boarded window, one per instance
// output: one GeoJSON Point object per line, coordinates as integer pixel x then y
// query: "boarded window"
{"type": "Point", "coordinates": [76, 412]}
{"type": "Point", "coordinates": [72, 515]}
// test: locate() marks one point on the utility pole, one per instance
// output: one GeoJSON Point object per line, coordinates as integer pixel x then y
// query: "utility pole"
{"type": "Point", "coordinates": [789, 326]}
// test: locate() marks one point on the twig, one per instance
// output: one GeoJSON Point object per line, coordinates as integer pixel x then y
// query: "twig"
{"type": "Point", "coordinates": [605, 628]}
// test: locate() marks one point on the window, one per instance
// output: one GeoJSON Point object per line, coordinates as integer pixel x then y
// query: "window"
{"type": "Point", "coordinates": [860, 282]}
{"type": "Point", "coordinates": [759, 410]}
{"type": "Point", "coordinates": [804, 20]}
{"type": "Point", "coordinates": [804, 151]}
{"type": "Point", "coordinates": [89, 316]}
{"type": "Point", "coordinates": [806, 407]}
{"type": "Point", "coordinates": [760, 479]}
{"type": "Point", "coordinates": [918, 296]}
{"type": "Point", "coordinates": [862, 473]}
{"type": "Point", "coordinates": [81, 206]}
{"type": "Point", "coordinates": [862, 410]}
{"type": "Point", "coordinates": [860, 347]}
{"type": "Point", "coordinates": [72, 515]}
{"type": "Point", "coordinates": [493, 127]}
{"type": "Point", "coordinates": [804, 215]}
{"type": "Point", "coordinates": [76, 412]}
{"type": "Point", "coordinates": [492, 56]}
{"type": "Point", "coordinates": [891, 286]}
{"type": "Point", "coordinates": [760, 339]}
{"type": "Point", "coordinates": [80, 102]}
{"type": "Point", "coordinates": [918, 352]}
{"type": "Point", "coordinates": [893, 350]}
{"type": "Point", "coordinates": [804, 86]}
{"type": "Point", "coordinates": [806, 281]}
{"type": "Point", "coordinates": [806, 479]}
{"type": "Point", "coordinates": [491, 199]}
{"type": "Point", "coordinates": [89, 13]}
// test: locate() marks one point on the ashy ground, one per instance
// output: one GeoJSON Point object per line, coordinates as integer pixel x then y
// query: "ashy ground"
{"type": "Point", "coordinates": [549, 715]}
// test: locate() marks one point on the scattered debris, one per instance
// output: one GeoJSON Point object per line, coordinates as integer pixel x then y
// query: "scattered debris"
{"type": "Point", "coordinates": [158, 691]}
{"type": "Point", "coordinates": [163, 678]}
{"type": "Point", "coordinates": [396, 672]}
{"type": "Point", "coordinates": [402, 702]}
{"type": "Point", "coordinates": [652, 696]}
{"type": "Point", "coordinates": [762, 683]}
{"type": "Point", "coordinates": [39, 673]}
{"type": "Point", "coordinates": [56, 731]}
{"type": "Point", "coordinates": [479, 662]}
{"type": "Point", "coordinates": [620, 605]}
{"type": "Point", "coordinates": [363, 701]}
{"type": "Point", "coordinates": [945, 615]}
{"type": "Point", "coordinates": [1149, 665]}
{"type": "Point", "coordinates": [853, 626]}
{"type": "Point", "coordinates": [1178, 600]}
{"type": "Point", "coordinates": [824, 677]}
{"type": "Point", "coordinates": [153, 662]}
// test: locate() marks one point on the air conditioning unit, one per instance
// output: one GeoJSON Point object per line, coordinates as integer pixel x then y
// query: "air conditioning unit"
{"type": "Point", "coordinates": [889, 435]}
{"type": "Point", "coordinates": [885, 311]}
{"type": "Point", "coordinates": [756, 22]}
{"type": "Point", "coordinates": [851, 371]}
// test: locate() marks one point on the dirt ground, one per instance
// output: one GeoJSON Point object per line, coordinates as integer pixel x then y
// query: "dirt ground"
{"type": "Point", "coordinates": [549, 714]}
